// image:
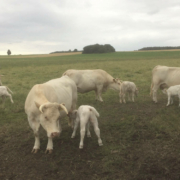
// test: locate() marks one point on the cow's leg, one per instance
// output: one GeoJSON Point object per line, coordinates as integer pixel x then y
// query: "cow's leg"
{"type": "Point", "coordinates": [124, 96]}
{"type": "Point", "coordinates": [49, 148]}
{"type": "Point", "coordinates": [88, 132]}
{"type": "Point", "coordinates": [169, 99]}
{"type": "Point", "coordinates": [75, 128]}
{"type": "Point", "coordinates": [99, 91]}
{"type": "Point", "coordinates": [9, 95]}
{"type": "Point", "coordinates": [35, 125]}
{"type": "Point", "coordinates": [83, 123]}
{"type": "Point", "coordinates": [155, 88]}
{"type": "Point", "coordinates": [120, 97]}
{"type": "Point", "coordinates": [132, 96]}
{"type": "Point", "coordinates": [97, 130]}
{"type": "Point", "coordinates": [82, 132]}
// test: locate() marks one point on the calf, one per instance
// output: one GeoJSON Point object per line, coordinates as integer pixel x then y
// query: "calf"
{"type": "Point", "coordinates": [172, 91]}
{"type": "Point", "coordinates": [4, 93]}
{"type": "Point", "coordinates": [127, 87]}
{"type": "Point", "coordinates": [84, 115]}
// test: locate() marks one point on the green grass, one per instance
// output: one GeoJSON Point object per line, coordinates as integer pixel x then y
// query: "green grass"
{"type": "Point", "coordinates": [141, 139]}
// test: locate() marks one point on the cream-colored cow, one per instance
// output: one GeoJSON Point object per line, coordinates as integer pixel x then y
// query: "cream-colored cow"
{"type": "Point", "coordinates": [96, 80]}
{"type": "Point", "coordinates": [46, 104]}
{"type": "Point", "coordinates": [163, 77]}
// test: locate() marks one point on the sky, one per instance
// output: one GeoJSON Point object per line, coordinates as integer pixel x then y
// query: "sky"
{"type": "Point", "coordinates": [45, 26]}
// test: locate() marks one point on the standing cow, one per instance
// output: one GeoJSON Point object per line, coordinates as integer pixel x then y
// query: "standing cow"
{"type": "Point", "coordinates": [164, 77]}
{"type": "Point", "coordinates": [96, 80]}
{"type": "Point", "coordinates": [46, 104]}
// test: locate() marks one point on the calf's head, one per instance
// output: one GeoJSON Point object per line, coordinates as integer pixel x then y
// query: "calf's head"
{"type": "Point", "coordinates": [50, 116]}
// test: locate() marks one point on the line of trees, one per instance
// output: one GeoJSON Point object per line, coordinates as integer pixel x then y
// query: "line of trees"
{"type": "Point", "coordinates": [159, 48]}
{"type": "Point", "coordinates": [75, 50]}
{"type": "Point", "coordinates": [96, 48]}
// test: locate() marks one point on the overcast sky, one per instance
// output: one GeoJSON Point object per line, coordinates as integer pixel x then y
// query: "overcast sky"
{"type": "Point", "coordinates": [44, 26]}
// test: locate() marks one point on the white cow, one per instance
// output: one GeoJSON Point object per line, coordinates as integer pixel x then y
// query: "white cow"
{"type": "Point", "coordinates": [96, 80]}
{"type": "Point", "coordinates": [4, 93]}
{"type": "Point", "coordinates": [83, 116]}
{"type": "Point", "coordinates": [163, 77]}
{"type": "Point", "coordinates": [172, 91]}
{"type": "Point", "coordinates": [128, 88]}
{"type": "Point", "coordinates": [44, 105]}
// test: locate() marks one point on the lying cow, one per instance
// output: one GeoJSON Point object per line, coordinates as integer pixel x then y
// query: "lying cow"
{"type": "Point", "coordinates": [46, 104]}
{"type": "Point", "coordinates": [172, 91]}
{"type": "Point", "coordinates": [96, 80]}
{"type": "Point", "coordinates": [128, 88]}
{"type": "Point", "coordinates": [163, 77]}
{"type": "Point", "coordinates": [83, 116]}
{"type": "Point", "coordinates": [4, 93]}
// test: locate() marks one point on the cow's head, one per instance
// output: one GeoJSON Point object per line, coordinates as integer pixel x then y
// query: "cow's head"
{"type": "Point", "coordinates": [49, 117]}
{"type": "Point", "coordinates": [117, 83]}
{"type": "Point", "coordinates": [72, 117]}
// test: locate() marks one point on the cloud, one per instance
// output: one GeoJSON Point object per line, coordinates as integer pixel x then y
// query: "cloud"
{"type": "Point", "coordinates": [44, 26]}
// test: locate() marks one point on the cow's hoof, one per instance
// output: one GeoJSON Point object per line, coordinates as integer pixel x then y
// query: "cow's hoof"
{"type": "Point", "coordinates": [88, 135]}
{"type": "Point", "coordinates": [80, 147]}
{"type": "Point", "coordinates": [100, 144]}
{"type": "Point", "coordinates": [34, 151]}
{"type": "Point", "coordinates": [48, 151]}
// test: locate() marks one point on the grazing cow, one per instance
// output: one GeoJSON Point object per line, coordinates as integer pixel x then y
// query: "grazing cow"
{"type": "Point", "coordinates": [172, 91]}
{"type": "Point", "coordinates": [83, 116]}
{"type": "Point", "coordinates": [44, 105]}
{"type": "Point", "coordinates": [163, 77]}
{"type": "Point", "coordinates": [96, 80]}
{"type": "Point", "coordinates": [4, 93]}
{"type": "Point", "coordinates": [128, 88]}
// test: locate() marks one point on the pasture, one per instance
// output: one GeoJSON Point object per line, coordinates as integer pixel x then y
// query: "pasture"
{"type": "Point", "coordinates": [141, 140]}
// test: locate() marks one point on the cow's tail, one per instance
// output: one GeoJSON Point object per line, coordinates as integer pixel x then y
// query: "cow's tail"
{"type": "Point", "coordinates": [94, 111]}
{"type": "Point", "coordinates": [9, 90]}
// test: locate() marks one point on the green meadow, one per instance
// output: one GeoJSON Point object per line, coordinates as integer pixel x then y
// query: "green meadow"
{"type": "Point", "coordinates": [141, 140]}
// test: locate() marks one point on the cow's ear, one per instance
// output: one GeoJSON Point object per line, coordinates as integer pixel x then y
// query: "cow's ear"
{"type": "Point", "coordinates": [37, 104]}
{"type": "Point", "coordinates": [114, 80]}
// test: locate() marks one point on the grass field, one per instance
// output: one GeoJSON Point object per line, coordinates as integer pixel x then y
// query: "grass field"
{"type": "Point", "coordinates": [141, 139]}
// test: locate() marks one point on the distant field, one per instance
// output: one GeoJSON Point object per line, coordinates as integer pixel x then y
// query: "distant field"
{"type": "Point", "coordinates": [41, 55]}
{"type": "Point", "coordinates": [141, 139]}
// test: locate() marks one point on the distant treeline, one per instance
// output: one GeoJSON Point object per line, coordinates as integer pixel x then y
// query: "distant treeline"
{"type": "Point", "coordinates": [96, 48]}
{"type": "Point", "coordinates": [160, 48]}
{"type": "Point", "coordinates": [75, 50]}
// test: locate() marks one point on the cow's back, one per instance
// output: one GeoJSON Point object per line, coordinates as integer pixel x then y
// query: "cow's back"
{"type": "Point", "coordinates": [88, 80]}
{"type": "Point", "coordinates": [166, 75]}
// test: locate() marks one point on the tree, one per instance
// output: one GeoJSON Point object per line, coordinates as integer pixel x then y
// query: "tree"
{"type": "Point", "coordinates": [96, 48]}
{"type": "Point", "coordinates": [9, 52]}
{"type": "Point", "coordinates": [75, 50]}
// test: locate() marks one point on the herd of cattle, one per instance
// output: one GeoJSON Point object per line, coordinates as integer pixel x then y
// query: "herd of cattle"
{"type": "Point", "coordinates": [47, 103]}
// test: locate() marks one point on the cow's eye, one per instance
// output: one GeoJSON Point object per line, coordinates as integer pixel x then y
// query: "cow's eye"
{"type": "Point", "coordinates": [46, 117]}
